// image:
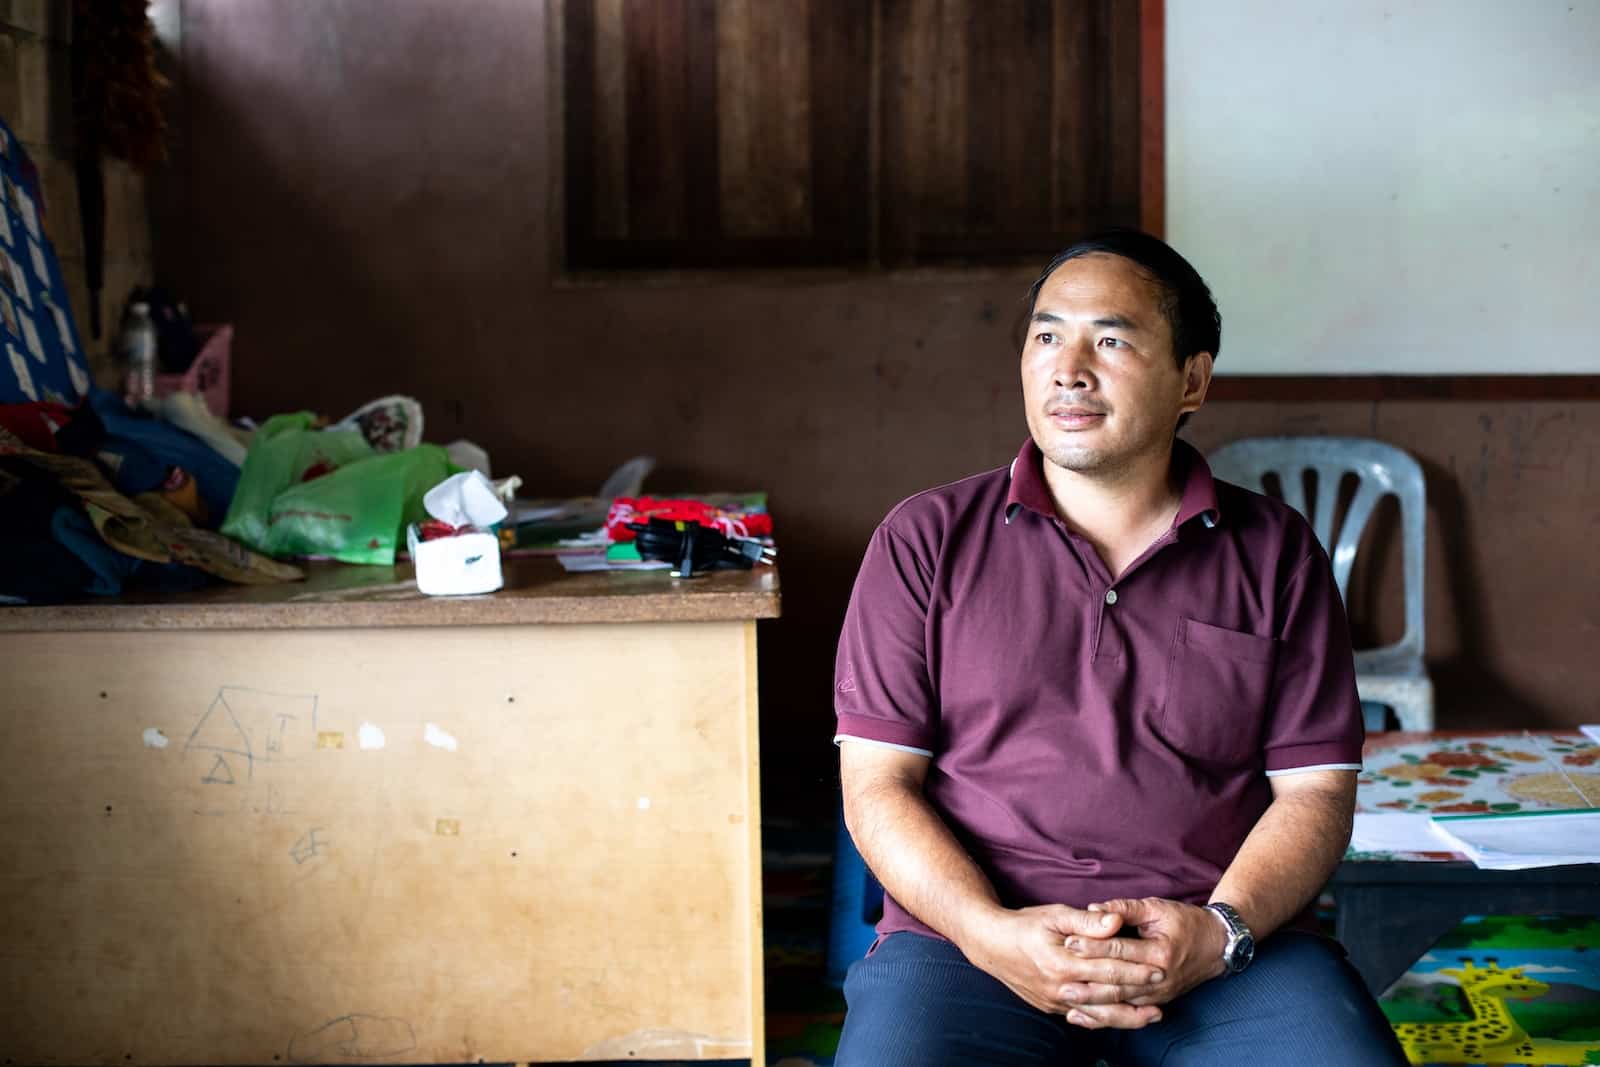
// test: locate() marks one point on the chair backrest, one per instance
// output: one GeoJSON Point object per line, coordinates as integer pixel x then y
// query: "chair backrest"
{"type": "Point", "coordinates": [1381, 469]}
{"type": "Point", "coordinates": [628, 479]}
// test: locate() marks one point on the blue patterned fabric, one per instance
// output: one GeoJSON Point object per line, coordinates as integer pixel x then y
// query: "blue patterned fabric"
{"type": "Point", "coordinates": [139, 449]}
{"type": "Point", "coordinates": [41, 354]}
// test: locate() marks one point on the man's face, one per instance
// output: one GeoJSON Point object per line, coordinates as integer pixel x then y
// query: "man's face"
{"type": "Point", "coordinates": [1099, 382]}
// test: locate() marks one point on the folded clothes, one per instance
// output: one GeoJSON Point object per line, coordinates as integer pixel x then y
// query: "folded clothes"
{"type": "Point", "coordinates": [153, 529]}
{"type": "Point", "coordinates": [188, 412]}
{"type": "Point", "coordinates": [36, 424]}
{"type": "Point", "coordinates": [113, 571]}
{"type": "Point", "coordinates": [141, 449]}
{"type": "Point", "coordinates": [35, 568]}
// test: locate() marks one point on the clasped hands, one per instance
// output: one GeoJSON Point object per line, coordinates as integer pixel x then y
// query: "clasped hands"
{"type": "Point", "coordinates": [1082, 963]}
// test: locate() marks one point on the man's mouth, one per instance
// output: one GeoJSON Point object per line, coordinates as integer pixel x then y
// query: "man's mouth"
{"type": "Point", "coordinates": [1074, 417]}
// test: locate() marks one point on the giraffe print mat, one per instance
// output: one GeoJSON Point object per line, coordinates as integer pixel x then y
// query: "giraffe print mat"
{"type": "Point", "coordinates": [1503, 989]}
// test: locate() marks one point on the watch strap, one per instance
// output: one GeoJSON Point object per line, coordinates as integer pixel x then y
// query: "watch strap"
{"type": "Point", "coordinates": [1238, 949]}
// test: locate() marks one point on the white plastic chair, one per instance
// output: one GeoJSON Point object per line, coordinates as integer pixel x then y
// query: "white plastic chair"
{"type": "Point", "coordinates": [627, 480]}
{"type": "Point", "coordinates": [1394, 674]}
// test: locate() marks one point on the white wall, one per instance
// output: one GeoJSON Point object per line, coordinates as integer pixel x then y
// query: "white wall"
{"type": "Point", "coordinates": [1403, 187]}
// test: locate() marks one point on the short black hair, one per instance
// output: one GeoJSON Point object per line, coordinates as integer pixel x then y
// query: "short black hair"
{"type": "Point", "coordinates": [1186, 300]}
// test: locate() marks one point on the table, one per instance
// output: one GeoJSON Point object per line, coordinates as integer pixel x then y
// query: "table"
{"type": "Point", "coordinates": [337, 821]}
{"type": "Point", "coordinates": [1392, 907]}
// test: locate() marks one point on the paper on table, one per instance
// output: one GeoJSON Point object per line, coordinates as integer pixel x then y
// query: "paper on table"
{"type": "Point", "coordinates": [1516, 842]}
{"type": "Point", "coordinates": [592, 539]}
{"type": "Point", "coordinates": [1592, 733]}
{"type": "Point", "coordinates": [578, 562]}
{"type": "Point", "coordinates": [535, 512]}
{"type": "Point", "coordinates": [1394, 831]}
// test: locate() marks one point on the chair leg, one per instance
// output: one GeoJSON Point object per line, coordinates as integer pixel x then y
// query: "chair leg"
{"type": "Point", "coordinates": [1411, 698]}
{"type": "Point", "coordinates": [1377, 716]}
{"type": "Point", "coordinates": [1415, 711]}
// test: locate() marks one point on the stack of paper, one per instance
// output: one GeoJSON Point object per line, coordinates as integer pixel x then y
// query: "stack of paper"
{"type": "Point", "coordinates": [1395, 831]}
{"type": "Point", "coordinates": [1515, 842]}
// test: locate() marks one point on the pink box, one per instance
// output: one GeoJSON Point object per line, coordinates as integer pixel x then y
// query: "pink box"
{"type": "Point", "coordinates": [209, 374]}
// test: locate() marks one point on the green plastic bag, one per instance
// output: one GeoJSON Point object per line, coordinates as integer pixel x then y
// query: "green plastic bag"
{"type": "Point", "coordinates": [282, 451]}
{"type": "Point", "coordinates": [358, 513]}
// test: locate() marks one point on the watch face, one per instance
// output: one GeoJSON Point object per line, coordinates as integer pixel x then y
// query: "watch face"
{"type": "Point", "coordinates": [1244, 950]}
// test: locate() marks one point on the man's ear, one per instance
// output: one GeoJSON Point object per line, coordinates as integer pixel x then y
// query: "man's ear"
{"type": "Point", "coordinates": [1196, 380]}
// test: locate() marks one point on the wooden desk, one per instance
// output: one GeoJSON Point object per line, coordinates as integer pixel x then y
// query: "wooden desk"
{"type": "Point", "coordinates": [338, 821]}
{"type": "Point", "coordinates": [1393, 907]}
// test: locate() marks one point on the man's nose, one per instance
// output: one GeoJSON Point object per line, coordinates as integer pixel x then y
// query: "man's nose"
{"type": "Point", "coordinates": [1075, 367]}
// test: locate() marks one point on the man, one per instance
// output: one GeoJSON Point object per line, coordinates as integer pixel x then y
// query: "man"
{"type": "Point", "coordinates": [1082, 697]}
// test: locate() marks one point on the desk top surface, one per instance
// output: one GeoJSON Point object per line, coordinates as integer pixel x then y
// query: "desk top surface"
{"type": "Point", "coordinates": [1479, 772]}
{"type": "Point", "coordinates": [1475, 773]}
{"type": "Point", "coordinates": [537, 591]}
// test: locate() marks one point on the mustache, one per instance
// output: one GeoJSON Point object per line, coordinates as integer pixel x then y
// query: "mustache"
{"type": "Point", "coordinates": [1071, 400]}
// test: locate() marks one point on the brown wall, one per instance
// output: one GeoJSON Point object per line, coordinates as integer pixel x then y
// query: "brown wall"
{"type": "Point", "coordinates": [36, 101]}
{"type": "Point", "coordinates": [367, 198]}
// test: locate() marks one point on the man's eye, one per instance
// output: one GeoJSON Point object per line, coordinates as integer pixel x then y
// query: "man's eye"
{"type": "Point", "coordinates": [1045, 338]}
{"type": "Point", "coordinates": [1111, 342]}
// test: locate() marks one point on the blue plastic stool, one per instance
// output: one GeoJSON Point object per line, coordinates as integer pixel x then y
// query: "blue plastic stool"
{"type": "Point", "coordinates": [857, 905]}
{"type": "Point", "coordinates": [1377, 716]}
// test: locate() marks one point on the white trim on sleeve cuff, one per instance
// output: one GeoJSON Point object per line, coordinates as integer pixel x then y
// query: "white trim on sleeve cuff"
{"type": "Point", "coordinates": [882, 744]}
{"type": "Point", "coordinates": [1316, 767]}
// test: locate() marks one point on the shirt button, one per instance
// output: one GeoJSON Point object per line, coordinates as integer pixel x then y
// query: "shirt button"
{"type": "Point", "coordinates": [1111, 596]}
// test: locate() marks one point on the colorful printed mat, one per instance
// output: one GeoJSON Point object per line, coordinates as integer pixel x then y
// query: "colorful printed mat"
{"type": "Point", "coordinates": [804, 1013]}
{"type": "Point", "coordinates": [1503, 989]}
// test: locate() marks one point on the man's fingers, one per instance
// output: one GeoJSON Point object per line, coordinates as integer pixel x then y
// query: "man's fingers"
{"type": "Point", "coordinates": [1076, 993]}
{"type": "Point", "coordinates": [1068, 921]}
{"type": "Point", "coordinates": [1116, 1016]}
{"type": "Point", "coordinates": [1133, 911]}
{"type": "Point", "coordinates": [1132, 949]}
{"type": "Point", "coordinates": [1133, 977]}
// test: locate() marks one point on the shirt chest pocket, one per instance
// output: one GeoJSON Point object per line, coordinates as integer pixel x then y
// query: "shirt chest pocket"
{"type": "Point", "coordinates": [1217, 686]}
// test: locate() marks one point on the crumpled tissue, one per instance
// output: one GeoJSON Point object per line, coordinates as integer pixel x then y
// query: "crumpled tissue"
{"type": "Point", "coordinates": [468, 562]}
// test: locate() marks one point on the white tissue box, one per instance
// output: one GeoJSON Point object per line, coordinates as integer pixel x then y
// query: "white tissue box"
{"type": "Point", "coordinates": [456, 566]}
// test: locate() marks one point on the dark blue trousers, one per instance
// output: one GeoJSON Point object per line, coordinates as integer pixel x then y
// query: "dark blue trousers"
{"type": "Point", "coordinates": [917, 1002]}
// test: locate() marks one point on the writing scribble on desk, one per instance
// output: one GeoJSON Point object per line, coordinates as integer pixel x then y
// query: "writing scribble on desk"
{"type": "Point", "coordinates": [353, 1037]}
{"type": "Point", "coordinates": [280, 724]}
{"type": "Point", "coordinates": [275, 804]}
{"type": "Point", "coordinates": [220, 773]}
{"type": "Point", "coordinates": [309, 846]}
{"type": "Point", "coordinates": [253, 725]}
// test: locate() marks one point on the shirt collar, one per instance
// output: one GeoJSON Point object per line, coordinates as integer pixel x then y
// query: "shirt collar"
{"type": "Point", "coordinates": [1030, 491]}
{"type": "Point", "coordinates": [1199, 487]}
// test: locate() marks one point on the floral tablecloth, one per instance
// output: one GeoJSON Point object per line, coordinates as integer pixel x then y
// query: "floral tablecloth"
{"type": "Point", "coordinates": [1476, 773]}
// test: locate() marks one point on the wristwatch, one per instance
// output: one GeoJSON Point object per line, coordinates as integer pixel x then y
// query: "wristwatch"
{"type": "Point", "coordinates": [1241, 946]}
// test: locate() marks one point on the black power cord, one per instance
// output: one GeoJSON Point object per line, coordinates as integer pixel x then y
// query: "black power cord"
{"type": "Point", "coordinates": [693, 549]}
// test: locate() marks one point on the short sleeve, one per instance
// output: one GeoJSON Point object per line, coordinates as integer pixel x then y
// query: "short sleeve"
{"type": "Point", "coordinates": [1314, 712]}
{"type": "Point", "coordinates": [882, 691]}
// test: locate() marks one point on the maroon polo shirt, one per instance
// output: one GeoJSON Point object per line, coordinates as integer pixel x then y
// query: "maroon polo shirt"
{"type": "Point", "coordinates": [1093, 738]}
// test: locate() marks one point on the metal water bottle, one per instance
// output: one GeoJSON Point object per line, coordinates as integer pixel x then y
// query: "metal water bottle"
{"type": "Point", "coordinates": [139, 346]}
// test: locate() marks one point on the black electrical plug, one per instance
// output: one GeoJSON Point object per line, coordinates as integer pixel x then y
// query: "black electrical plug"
{"type": "Point", "coordinates": [692, 548]}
